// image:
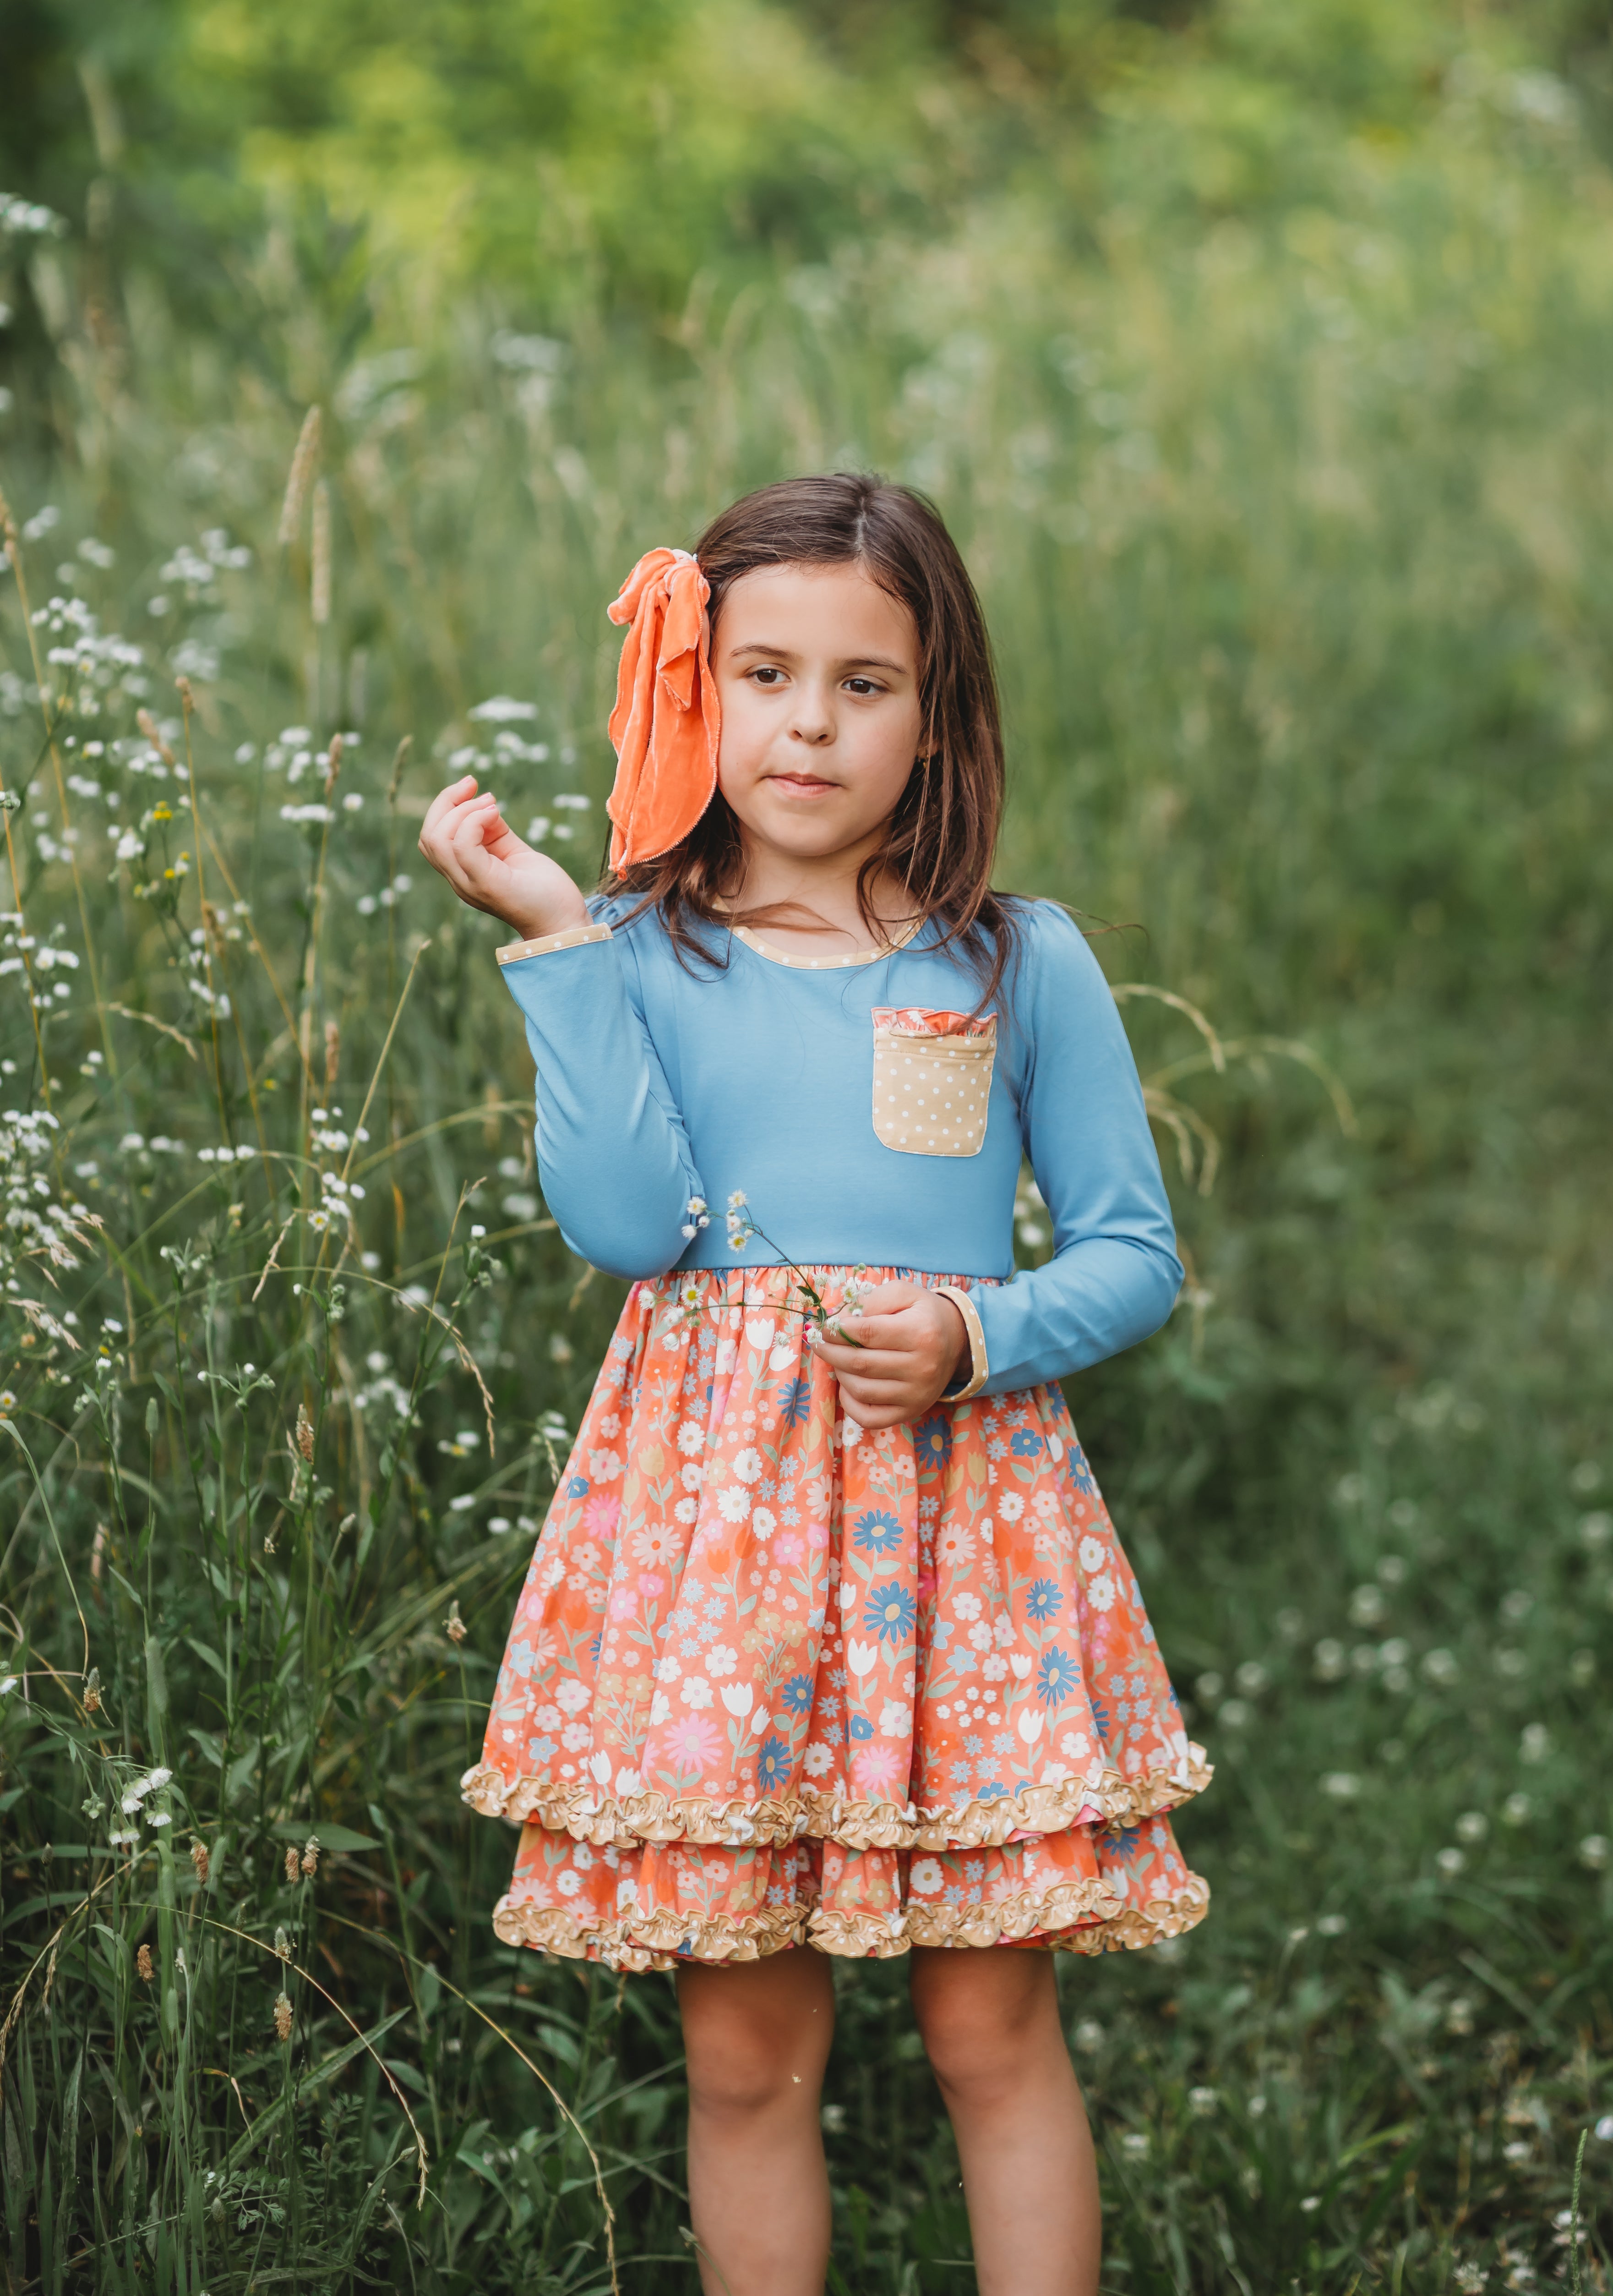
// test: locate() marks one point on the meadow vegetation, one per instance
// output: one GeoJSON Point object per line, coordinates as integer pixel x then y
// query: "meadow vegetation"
{"type": "Point", "coordinates": [1271, 413]}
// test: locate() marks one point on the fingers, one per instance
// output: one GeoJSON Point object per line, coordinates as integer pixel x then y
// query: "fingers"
{"type": "Point", "coordinates": [460, 825]}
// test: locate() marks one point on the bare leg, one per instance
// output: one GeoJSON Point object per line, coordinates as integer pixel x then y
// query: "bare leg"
{"type": "Point", "coordinates": [989, 2016]}
{"type": "Point", "coordinates": [758, 2035]}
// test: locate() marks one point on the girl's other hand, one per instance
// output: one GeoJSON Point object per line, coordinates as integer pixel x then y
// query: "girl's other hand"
{"type": "Point", "coordinates": [467, 839]}
{"type": "Point", "coordinates": [911, 1346]}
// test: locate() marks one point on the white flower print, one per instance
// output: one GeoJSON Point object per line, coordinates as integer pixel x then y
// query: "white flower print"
{"type": "Point", "coordinates": [849, 1432]}
{"type": "Point", "coordinates": [695, 1690]}
{"type": "Point", "coordinates": [734, 1504]}
{"type": "Point", "coordinates": [582, 1857]}
{"type": "Point", "coordinates": [979, 1635]}
{"type": "Point", "coordinates": [1094, 1554]}
{"type": "Point", "coordinates": [1004, 1632]}
{"type": "Point", "coordinates": [759, 1331]}
{"type": "Point", "coordinates": [966, 1605]}
{"type": "Point", "coordinates": [690, 1438]}
{"type": "Point", "coordinates": [604, 1466]}
{"type": "Point", "coordinates": [574, 1737]}
{"type": "Point", "coordinates": [816, 1760]}
{"type": "Point", "coordinates": [926, 1876]}
{"type": "Point", "coordinates": [668, 1669]}
{"type": "Point", "coordinates": [894, 1719]}
{"type": "Point", "coordinates": [652, 1547]}
{"type": "Point", "coordinates": [552, 1572]}
{"type": "Point", "coordinates": [782, 1358]}
{"type": "Point", "coordinates": [1100, 1594]}
{"type": "Point", "coordinates": [1011, 1506]}
{"type": "Point", "coordinates": [994, 1667]}
{"type": "Point", "coordinates": [660, 1708]}
{"type": "Point", "coordinates": [1045, 1504]}
{"type": "Point", "coordinates": [748, 1466]}
{"type": "Point", "coordinates": [725, 1357]}
{"type": "Point", "coordinates": [763, 1523]}
{"type": "Point", "coordinates": [1077, 1744]}
{"type": "Point", "coordinates": [721, 1660]}
{"type": "Point", "coordinates": [571, 1697]}
{"type": "Point", "coordinates": [547, 1717]}
{"type": "Point", "coordinates": [567, 1883]}
{"type": "Point", "coordinates": [1054, 1774]}
{"type": "Point", "coordinates": [693, 1475]}
{"type": "Point", "coordinates": [686, 1510]}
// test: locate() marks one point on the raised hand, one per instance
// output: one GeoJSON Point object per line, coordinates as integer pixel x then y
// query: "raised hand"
{"type": "Point", "coordinates": [911, 1345]}
{"type": "Point", "coordinates": [467, 839]}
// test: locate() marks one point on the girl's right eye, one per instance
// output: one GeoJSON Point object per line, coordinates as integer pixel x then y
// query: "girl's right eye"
{"type": "Point", "coordinates": [766, 674]}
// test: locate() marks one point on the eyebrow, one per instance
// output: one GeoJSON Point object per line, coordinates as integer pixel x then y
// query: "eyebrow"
{"type": "Point", "coordinates": [856, 661]}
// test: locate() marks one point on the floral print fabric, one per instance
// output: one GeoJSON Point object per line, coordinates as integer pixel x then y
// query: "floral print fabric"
{"type": "Point", "coordinates": [773, 1680]}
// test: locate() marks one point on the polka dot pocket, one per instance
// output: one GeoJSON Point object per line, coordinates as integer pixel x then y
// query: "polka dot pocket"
{"type": "Point", "coordinates": [932, 1079]}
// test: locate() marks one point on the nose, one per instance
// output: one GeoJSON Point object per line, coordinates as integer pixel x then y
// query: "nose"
{"type": "Point", "coordinates": [812, 720]}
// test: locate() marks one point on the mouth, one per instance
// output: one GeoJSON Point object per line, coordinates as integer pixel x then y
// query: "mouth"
{"type": "Point", "coordinates": [801, 784]}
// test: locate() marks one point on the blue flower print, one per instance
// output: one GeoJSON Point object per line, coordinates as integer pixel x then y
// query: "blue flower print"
{"type": "Point", "coordinates": [796, 1696]}
{"type": "Point", "coordinates": [1058, 1677]}
{"type": "Point", "coordinates": [889, 1613]}
{"type": "Point", "coordinates": [578, 1487]}
{"type": "Point", "coordinates": [861, 1727]}
{"type": "Point", "coordinates": [877, 1534]}
{"type": "Point", "coordinates": [1044, 1601]}
{"type": "Point", "coordinates": [932, 1442]}
{"type": "Point", "coordinates": [1080, 1473]}
{"type": "Point", "coordinates": [772, 1765]}
{"type": "Point", "coordinates": [538, 1749]}
{"type": "Point", "coordinates": [972, 1744]}
{"type": "Point", "coordinates": [1103, 1719]}
{"type": "Point", "coordinates": [795, 1401]}
{"type": "Point", "coordinates": [1026, 1444]}
{"type": "Point", "coordinates": [990, 1788]}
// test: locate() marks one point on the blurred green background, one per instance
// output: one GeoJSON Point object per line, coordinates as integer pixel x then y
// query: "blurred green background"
{"type": "Point", "coordinates": [1259, 355]}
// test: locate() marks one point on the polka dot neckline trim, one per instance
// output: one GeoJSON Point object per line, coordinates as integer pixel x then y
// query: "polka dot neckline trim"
{"type": "Point", "coordinates": [824, 963]}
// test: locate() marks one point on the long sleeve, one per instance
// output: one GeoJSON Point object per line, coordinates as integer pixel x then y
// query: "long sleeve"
{"type": "Point", "coordinates": [1115, 1275]}
{"type": "Point", "coordinates": [613, 1153]}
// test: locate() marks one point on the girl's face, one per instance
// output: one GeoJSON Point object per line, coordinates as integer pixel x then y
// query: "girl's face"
{"type": "Point", "coordinates": [817, 672]}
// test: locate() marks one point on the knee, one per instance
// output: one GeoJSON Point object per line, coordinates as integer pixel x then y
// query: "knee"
{"type": "Point", "coordinates": [977, 2048]}
{"type": "Point", "coordinates": [741, 2064]}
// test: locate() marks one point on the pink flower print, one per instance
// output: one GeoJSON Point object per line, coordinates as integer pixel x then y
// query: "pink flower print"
{"type": "Point", "coordinates": [789, 1547]}
{"type": "Point", "coordinates": [875, 1766]}
{"type": "Point", "coordinates": [624, 1601]}
{"type": "Point", "coordinates": [694, 1744]}
{"type": "Point", "coordinates": [604, 1466]}
{"type": "Point", "coordinates": [599, 1514]}
{"type": "Point", "coordinates": [652, 1546]}
{"type": "Point", "coordinates": [817, 1537]}
{"type": "Point", "coordinates": [651, 1583]}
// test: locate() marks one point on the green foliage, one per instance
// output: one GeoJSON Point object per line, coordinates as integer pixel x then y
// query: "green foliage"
{"type": "Point", "coordinates": [1277, 442]}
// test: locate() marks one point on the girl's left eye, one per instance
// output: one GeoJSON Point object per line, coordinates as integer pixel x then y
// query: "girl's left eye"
{"type": "Point", "coordinates": [766, 675]}
{"type": "Point", "coordinates": [864, 685]}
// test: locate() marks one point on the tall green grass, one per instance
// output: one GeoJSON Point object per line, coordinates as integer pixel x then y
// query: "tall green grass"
{"type": "Point", "coordinates": [1294, 545]}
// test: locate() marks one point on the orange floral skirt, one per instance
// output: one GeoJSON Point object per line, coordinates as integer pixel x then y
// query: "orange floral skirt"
{"type": "Point", "coordinates": [773, 1680]}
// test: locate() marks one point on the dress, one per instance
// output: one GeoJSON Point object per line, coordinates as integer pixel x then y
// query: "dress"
{"type": "Point", "coordinates": [773, 1680]}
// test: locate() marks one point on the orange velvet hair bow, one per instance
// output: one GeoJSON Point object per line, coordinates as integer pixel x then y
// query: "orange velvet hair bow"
{"type": "Point", "coordinates": [667, 721]}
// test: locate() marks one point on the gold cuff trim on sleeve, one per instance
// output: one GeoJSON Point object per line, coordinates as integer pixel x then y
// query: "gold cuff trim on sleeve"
{"type": "Point", "coordinates": [573, 937]}
{"type": "Point", "coordinates": [979, 1368]}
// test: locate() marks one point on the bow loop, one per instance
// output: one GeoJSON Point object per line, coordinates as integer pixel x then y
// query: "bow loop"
{"type": "Point", "coordinates": [667, 721]}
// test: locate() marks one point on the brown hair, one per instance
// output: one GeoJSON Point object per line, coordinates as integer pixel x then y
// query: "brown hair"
{"type": "Point", "coordinates": [940, 840]}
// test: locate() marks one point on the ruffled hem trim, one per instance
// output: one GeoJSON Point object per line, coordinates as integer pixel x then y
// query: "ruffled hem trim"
{"type": "Point", "coordinates": [1073, 1917]}
{"type": "Point", "coordinates": [609, 1821]}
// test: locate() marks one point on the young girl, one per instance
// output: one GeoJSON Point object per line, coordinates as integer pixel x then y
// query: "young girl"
{"type": "Point", "coordinates": [828, 1646]}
